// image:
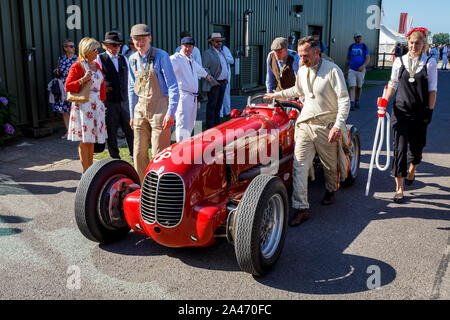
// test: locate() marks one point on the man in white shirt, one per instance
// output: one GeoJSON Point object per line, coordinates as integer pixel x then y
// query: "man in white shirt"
{"type": "Point", "coordinates": [320, 125]}
{"type": "Point", "coordinates": [187, 72]}
{"type": "Point", "coordinates": [216, 65]}
{"type": "Point", "coordinates": [226, 105]}
{"type": "Point", "coordinates": [115, 71]}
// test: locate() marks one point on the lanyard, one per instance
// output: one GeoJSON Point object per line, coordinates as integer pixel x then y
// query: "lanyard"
{"type": "Point", "coordinates": [311, 84]}
{"type": "Point", "coordinates": [412, 72]}
{"type": "Point", "coordinates": [147, 67]}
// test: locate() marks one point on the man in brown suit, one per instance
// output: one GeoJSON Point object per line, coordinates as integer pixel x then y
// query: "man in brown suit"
{"type": "Point", "coordinates": [282, 66]}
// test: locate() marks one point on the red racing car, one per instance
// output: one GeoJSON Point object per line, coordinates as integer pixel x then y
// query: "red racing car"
{"type": "Point", "coordinates": [230, 181]}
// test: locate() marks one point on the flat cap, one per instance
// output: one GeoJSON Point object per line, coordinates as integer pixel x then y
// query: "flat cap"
{"type": "Point", "coordinates": [279, 43]}
{"type": "Point", "coordinates": [188, 40]}
{"type": "Point", "coordinates": [140, 30]}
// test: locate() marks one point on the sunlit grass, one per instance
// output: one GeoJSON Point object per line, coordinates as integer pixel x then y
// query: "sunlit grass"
{"type": "Point", "coordinates": [124, 155]}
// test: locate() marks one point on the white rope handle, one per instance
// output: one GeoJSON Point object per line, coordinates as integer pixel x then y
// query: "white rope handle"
{"type": "Point", "coordinates": [378, 144]}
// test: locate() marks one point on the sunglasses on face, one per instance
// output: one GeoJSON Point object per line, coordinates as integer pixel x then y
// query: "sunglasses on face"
{"type": "Point", "coordinates": [115, 45]}
{"type": "Point", "coordinates": [70, 46]}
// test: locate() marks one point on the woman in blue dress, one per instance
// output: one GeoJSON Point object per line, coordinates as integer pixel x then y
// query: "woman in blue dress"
{"type": "Point", "coordinates": [64, 64]}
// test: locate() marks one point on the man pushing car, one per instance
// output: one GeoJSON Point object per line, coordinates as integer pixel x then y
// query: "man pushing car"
{"type": "Point", "coordinates": [320, 125]}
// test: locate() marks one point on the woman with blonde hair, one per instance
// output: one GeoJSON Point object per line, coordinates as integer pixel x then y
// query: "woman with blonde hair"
{"type": "Point", "coordinates": [414, 77]}
{"type": "Point", "coordinates": [87, 120]}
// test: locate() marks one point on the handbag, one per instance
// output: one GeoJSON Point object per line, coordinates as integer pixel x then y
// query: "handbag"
{"type": "Point", "coordinates": [84, 93]}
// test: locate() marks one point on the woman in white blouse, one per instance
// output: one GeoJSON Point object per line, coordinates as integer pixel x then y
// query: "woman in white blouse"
{"type": "Point", "coordinates": [414, 77]}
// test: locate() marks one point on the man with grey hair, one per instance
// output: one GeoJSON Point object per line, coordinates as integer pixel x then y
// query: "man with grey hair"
{"type": "Point", "coordinates": [153, 94]}
{"type": "Point", "coordinates": [320, 126]}
{"type": "Point", "coordinates": [282, 66]}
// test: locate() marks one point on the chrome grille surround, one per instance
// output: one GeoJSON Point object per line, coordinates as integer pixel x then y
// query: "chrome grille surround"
{"type": "Point", "coordinates": [162, 199]}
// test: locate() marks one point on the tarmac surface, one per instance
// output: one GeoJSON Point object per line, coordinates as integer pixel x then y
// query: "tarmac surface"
{"type": "Point", "coordinates": [359, 248]}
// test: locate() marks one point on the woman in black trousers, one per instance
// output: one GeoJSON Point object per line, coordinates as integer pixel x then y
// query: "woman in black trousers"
{"type": "Point", "coordinates": [414, 77]}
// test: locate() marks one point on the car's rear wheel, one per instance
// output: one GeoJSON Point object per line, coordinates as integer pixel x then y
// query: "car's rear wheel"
{"type": "Point", "coordinates": [355, 158]}
{"type": "Point", "coordinates": [99, 200]}
{"type": "Point", "coordinates": [261, 225]}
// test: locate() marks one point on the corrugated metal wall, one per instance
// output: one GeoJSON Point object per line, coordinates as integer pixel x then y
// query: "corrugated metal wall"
{"type": "Point", "coordinates": [41, 24]}
{"type": "Point", "coordinates": [12, 58]}
{"type": "Point", "coordinates": [348, 19]}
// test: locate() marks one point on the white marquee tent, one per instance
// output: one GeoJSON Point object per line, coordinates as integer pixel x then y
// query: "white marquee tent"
{"type": "Point", "coordinates": [388, 39]}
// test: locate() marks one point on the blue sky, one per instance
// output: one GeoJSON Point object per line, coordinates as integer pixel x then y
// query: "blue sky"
{"type": "Point", "coordinates": [431, 14]}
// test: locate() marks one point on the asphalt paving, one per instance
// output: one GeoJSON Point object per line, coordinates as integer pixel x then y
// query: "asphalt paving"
{"type": "Point", "coordinates": [360, 248]}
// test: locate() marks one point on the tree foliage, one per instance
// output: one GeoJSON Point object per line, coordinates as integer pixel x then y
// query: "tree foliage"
{"type": "Point", "coordinates": [441, 38]}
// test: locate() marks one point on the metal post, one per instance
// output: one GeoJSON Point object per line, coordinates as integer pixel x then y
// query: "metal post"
{"type": "Point", "coordinates": [246, 33]}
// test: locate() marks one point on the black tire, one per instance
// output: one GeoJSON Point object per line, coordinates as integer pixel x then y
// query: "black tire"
{"type": "Point", "coordinates": [87, 200]}
{"type": "Point", "coordinates": [249, 222]}
{"type": "Point", "coordinates": [355, 160]}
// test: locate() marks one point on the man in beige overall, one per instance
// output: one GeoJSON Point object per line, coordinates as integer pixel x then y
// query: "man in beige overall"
{"type": "Point", "coordinates": [153, 94]}
{"type": "Point", "coordinates": [320, 126]}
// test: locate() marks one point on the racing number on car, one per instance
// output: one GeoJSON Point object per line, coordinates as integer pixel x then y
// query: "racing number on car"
{"type": "Point", "coordinates": [166, 154]}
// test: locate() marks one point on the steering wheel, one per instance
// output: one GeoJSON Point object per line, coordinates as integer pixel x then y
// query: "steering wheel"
{"type": "Point", "coordinates": [290, 104]}
{"type": "Point", "coordinates": [252, 99]}
{"type": "Point", "coordinates": [280, 104]}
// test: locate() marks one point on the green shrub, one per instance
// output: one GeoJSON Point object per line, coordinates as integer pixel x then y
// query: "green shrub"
{"type": "Point", "coordinates": [7, 127]}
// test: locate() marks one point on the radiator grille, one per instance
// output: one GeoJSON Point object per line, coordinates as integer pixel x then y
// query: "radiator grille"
{"type": "Point", "coordinates": [162, 199]}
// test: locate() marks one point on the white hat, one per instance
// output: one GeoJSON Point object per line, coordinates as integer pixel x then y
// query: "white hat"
{"type": "Point", "coordinates": [216, 35]}
{"type": "Point", "coordinates": [357, 34]}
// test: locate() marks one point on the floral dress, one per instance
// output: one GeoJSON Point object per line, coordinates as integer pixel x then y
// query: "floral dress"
{"type": "Point", "coordinates": [87, 120]}
{"type": "Point", "coordinates": [64, 67]}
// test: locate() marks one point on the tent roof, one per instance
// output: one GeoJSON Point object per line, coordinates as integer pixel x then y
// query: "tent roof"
{"type": "Point", "coordinates": [389, 36]}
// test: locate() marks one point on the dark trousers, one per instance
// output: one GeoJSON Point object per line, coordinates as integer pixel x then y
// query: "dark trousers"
{"type": "Point", "coordinates": [215, 101]}
{"type": "Point", "coordinates": [118, 115]}
{"type": "Point", "coordinates": [412, 135]}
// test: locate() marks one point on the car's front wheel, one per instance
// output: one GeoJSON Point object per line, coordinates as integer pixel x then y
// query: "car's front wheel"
{"type": "Point", "coordinates": [261, 225]}
{"type": "Point", "coordinates": [99, 200]}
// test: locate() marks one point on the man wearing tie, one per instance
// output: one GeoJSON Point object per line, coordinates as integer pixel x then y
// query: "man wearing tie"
{"type": "Point", "coordinates": [115, 70]}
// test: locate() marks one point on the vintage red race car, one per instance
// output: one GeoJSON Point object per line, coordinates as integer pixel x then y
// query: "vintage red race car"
{"type": "Point", "coordinates": [230, 181]}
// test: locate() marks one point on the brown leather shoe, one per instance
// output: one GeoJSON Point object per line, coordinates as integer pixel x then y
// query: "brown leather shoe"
{"type": "Point", "coordinates": [300, 215]}
{"type": "Point", "coordinates": [328, 198]}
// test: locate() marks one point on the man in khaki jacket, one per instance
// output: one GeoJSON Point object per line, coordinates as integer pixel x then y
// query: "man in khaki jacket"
{"type": "Point", "coordinates": [320, 126]}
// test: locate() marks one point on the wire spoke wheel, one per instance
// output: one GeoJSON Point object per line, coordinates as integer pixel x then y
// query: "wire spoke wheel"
{"type": "Point", "coordinates": [261, 225]}
{"type": "Point", "coordinates": [272, 227]}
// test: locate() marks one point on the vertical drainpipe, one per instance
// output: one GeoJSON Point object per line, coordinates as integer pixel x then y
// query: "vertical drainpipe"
{"type": "Point", "coordinates": [330, 25]}
{"type": "Point", "coordinates": [379, 34]}
{"type": "Point", "coordinates": [29, 58]}
{"type": "Point", "coordinates": [246, 32]}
